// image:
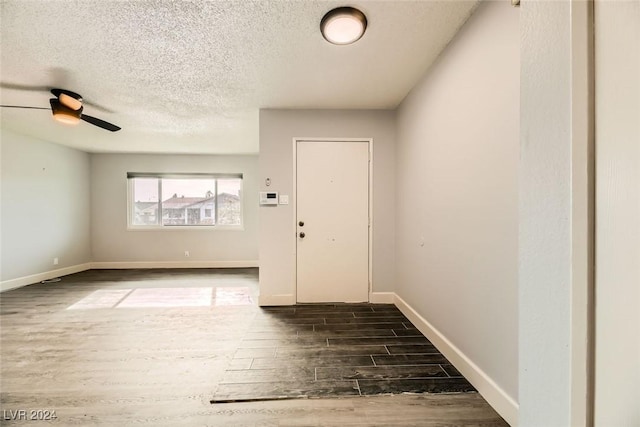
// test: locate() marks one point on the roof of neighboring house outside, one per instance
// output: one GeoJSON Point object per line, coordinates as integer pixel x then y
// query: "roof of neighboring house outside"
{"type": "Point", "coordinates": [182, 202]}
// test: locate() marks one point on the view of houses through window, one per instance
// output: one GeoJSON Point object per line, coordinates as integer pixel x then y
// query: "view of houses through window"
{"type": "Point", "coordinates": [172, 200]}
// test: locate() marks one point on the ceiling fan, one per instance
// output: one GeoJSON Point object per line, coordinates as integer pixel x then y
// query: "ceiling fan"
{"type": "Point", "coordinates": [67, 108]}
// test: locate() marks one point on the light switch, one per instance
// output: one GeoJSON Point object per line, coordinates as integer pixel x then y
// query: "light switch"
{"type": "Point", "coordinates": [284, 199]}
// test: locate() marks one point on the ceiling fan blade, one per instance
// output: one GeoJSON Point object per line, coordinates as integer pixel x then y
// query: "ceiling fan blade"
{"type": "Point", "coordinates": [57, 92]}
{"type": "Point", "coordinates": [59, 76]}
{"type": "Point", "coordinates": [24, 106]}
{"type": "Point", "coordinates": [62, 95]}
{"type": "Point", "coordinates": [28, 88]}
{"type": "Point", "coordinates": [16, 86]}
{"type": "Point", "coordinates": [100, 123]}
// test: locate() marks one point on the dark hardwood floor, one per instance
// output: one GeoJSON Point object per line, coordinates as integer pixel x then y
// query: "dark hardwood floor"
{"type": "Point", "coordinates": [324, 350]}
{"type": "Point", "coordinates": [154, 347]}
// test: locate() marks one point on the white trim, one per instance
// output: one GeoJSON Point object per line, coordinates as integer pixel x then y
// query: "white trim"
{"type": "Point", "coordinates": [295, 220]}
{"type": "Point", "coordinates": [369, 141]}
{"type": "Point", "coordinates": [36, 278]}
{"type": "Point", "coordinates": [582, 214]}
{"type": "Point", "coordinates": [504, 404]}
{"type": "Point", "coordinates": [370, 219]}
{"type": "Point", "coordinates": [382, 297]}
{"type": "Point", "coordinates": [172, 264]}
{"type": "Point", "coordinates": [272, 300]}
{"type": "Point", "coordinates": [206, 228]}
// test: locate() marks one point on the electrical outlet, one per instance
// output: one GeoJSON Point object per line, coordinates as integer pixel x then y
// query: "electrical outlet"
{"type": "Point", "coordinates": [186, 254]}
{"type": "Point", "coordinates": [55, 261]}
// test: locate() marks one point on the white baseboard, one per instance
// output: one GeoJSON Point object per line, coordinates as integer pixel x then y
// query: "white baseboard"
{"type": "Point", "coordinates": [172, 264]}
{"type": "Point", "coordinates": [289, 299]}
{"type": "Point", "coordinates": [496, 396]}
{"type": "Point", "coordinates": [36, 278]}
{"type": "Point", "coordinates": [382, 297]}
{"type": "Point", "coordinates": [283, 299]}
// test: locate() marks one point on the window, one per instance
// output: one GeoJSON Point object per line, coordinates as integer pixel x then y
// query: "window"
{"type": "Point", "coordinates": [184, 200]}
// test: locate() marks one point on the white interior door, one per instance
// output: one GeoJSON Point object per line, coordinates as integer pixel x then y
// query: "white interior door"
{"type": "Point", "coordinates": [332, 205]}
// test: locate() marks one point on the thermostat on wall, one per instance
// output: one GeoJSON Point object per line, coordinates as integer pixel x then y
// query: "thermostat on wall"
{"type": "Point", "coordinates": [268, 197]}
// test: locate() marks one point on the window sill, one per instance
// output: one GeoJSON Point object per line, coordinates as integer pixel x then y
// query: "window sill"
{"type": "Point", "coordinates": [206, 228]}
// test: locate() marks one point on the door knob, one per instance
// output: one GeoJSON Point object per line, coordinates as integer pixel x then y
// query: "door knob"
{"type": "Point", "coordinates": [302, 235]}
{"type": "Point", "coordinates": [301, 223]}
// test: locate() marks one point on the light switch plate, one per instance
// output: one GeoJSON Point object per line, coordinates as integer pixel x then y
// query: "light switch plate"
{"type": "Point", "coordinates": [284, 199]}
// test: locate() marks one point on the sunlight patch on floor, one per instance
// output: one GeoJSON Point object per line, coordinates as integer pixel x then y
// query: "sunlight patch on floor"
{"type": "Point", "coordinates": [102, 298]}
{"type": "Point", "coordinates": [233, 296]}
{"type": "Point", "coordinates": [168, 297]}
{"type": "Point", "coordinates": [164, 297]}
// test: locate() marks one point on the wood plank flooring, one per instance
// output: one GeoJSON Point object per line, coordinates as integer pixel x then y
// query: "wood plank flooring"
{"type": "Point", "coordinates": [99, 350]}
{"type": "Point", "coordinates": [324, 350]}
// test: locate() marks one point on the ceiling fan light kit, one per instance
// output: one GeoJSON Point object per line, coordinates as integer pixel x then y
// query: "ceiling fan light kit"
{"type": "Point", "coordinates": [343, 25]}
{"type": "Point", "coordinates": [65, 118]}
{"type": "Point", "coordinates": [64, 114]}
{"type": "Point", "coordinates": [71, 102]}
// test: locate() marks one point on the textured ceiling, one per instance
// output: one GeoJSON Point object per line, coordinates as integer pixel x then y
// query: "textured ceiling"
{"type": "Point", "coordinates": [191, 76]}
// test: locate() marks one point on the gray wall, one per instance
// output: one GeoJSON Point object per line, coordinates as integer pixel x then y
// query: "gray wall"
{"type": "Point", "coordinates": [112, 242]}
{"type": "Point", "coordinates": [277, 130]}
{"type": "Point", "coordinates": [617, 31]}
{"type": "Point", "coordinates": [457, 194]}
{"type": "Point", "coordinates": [45, 206]}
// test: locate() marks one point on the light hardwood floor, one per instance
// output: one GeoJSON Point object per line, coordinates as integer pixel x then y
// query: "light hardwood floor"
{"type": "Point", "coordinates": [75, 348]}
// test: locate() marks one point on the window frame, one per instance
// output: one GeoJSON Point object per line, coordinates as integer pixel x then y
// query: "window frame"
{"type": "Point", "coordinates": [161, 227]}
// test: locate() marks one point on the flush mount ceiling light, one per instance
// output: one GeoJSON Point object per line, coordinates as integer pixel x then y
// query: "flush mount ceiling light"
{"type": "Point", "coordinates": [343, 25]}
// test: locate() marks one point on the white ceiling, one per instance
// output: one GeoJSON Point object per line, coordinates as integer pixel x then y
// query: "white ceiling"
{"type": "Point", "coordinates": [191, 76]}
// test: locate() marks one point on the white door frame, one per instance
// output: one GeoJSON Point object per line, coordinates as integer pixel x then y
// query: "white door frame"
{"type": "Point", "coordinates": [294, 224]}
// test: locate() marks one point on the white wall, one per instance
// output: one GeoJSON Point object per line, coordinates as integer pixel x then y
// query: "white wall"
{"type": "Point", "coordinates": [112, 243]}
{"type": "Point", "coordinates": [277, 130]}
{"type": "Point", "coordinates": [545, 206]}
{"type": "Point", "coordinates": [554, 213]}
{"type": "Point", "coordinates": [617, 41]}
{"type": "Point", "coordinates": [45, 207]}
{"type": "Point", "coordinates": [457, 199]}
